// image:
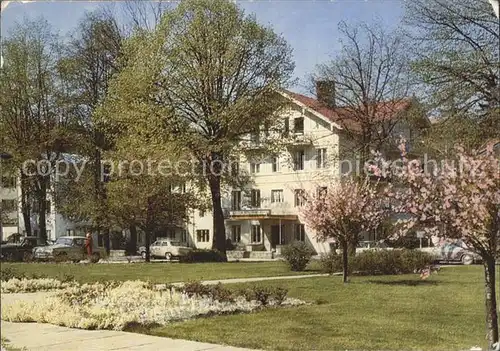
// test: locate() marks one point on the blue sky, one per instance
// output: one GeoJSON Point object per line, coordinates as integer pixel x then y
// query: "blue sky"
{"type": "Point", "coordinates": [309, 26]}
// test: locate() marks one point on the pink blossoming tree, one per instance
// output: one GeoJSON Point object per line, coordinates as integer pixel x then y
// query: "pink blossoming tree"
{"type": "Point", "coordinates": [458, 199]}
{"type": "Point", "coordinates": [343, 211]}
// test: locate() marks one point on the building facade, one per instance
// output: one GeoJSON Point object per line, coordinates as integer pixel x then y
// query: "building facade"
{"type": "Point", "coordinates": [265, 214]}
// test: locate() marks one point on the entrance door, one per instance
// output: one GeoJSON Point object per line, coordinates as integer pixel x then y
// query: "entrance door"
{"type": "Point", "coordinates": [275, 236]}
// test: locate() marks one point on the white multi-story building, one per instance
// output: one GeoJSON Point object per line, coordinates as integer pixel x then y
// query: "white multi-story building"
{"type": "Point", "coordinates": [9, 223]}
{"type": "Point", "coordinates": [265, 214]}
{"type": "Point", "coordinates": [13, 221]}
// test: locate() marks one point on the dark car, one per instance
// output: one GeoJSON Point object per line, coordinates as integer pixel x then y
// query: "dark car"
{"type": "Point", "coordinates": [19, 251]}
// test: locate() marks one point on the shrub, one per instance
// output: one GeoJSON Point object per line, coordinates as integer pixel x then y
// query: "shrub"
{"type": "Point", "coordinates": [9, 273]}
{"type": "Point", "coordinates": [297, 254]}
{"type": "Point", "coordinates": [392, 262]}
{"type": "Point", "coordinates": [279, 295]}
{"type": "Point", "coordinates": [262, 294]}
{"type": "Point", "coordinates": [413, 260]}
{"type": "Point", "coordinates": [203, 256]}
{"type": "Point", "coordinates": [195, 288]}
{"type": "Point", "coordinates": [220, 293]}
{"type": "Point", "coordinates": [248, 294]}
{"type": "Point", "coordinates": [332, 263]}
{"type": "Point", "coordinates": [375, 262]}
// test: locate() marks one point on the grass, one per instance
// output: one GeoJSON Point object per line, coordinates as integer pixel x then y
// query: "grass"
{"type": "Point", "coordinates": [155, 272]}
{"type": "Point", "coordinates": [445, 312]}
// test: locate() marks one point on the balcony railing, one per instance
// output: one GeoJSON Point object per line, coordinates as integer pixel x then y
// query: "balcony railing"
{"type": "Point", "coordinates": [251, 212]}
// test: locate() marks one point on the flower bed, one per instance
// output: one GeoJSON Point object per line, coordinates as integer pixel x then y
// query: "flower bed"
{"type": "Point", "coordinates": [119, 305]}
{"type": "Point", "coordinates": [25, 285]}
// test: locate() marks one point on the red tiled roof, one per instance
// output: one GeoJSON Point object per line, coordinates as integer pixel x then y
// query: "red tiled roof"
{"type": "Point", "coordinates": [346, 117]}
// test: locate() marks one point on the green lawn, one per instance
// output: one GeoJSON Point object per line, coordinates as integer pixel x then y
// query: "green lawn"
{"type": "Point", "coordinates": [445, 312]}
{"type": "Point", "coordinates": [155, 272]}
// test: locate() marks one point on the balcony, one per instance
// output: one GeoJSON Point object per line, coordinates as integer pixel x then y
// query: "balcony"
{"type": "Point", "coordinates": [255, 212]}
{"type": "Point", "coordinates": [258, 214]}
{"type": "Point", "coordinates": [299, 139]}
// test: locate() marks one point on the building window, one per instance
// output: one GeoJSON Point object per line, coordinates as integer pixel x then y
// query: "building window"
{"type": "Point", "coordinates": [171, 234]}
{"type": "Point", "coordinates": [300, 232]}
{"type": "Point", "coordinates": [254, 167]}
{"type": "Point", "coordinates": [277, 195]}
{"type": "Point", "coordinates": [236, 200]}
{"type": "Point", "coordinates": [236, 233]}
{"type": "Point", "coordinates": [298, 125]}
{"type": "Point", "coordinates": [184, 235]}
{"type": "Point", "coordinates": [47, 206]}
{"type": "Point", "coordinates": [298, 161]}
{"type": "Point", "coordinates": [299, 197]}
{"type": "Point", "coordinates": [9, 205]}
{"type": "Point", "coordinates": [322, 191]}
{"type": "Point", "coordinates": [321, 158]}
{"type": "Point", "coordinates": [201, 213]}
{"type": "Point", "coordinates": [256, 234]}
{"type": "Point", "coordinates": [275, 162]}
{"type": "Point", "coordinates": [286, 128]}
{"type": "Point", "coordinates": [255, 198]}
{"type": "Point", "coordinates": [70, 232]}
{"type": "Point", "coordinates": [8, 182]}
{"type": "Point", "coordinates": [202, 235]}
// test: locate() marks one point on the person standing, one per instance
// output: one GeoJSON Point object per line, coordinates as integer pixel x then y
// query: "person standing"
{"type": "Point", "coordinates": [89, 244]}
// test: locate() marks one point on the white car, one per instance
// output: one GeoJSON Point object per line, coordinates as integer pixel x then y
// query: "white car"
{"type": "Point", "coordinates": [369, 245]}
{"type": "Point", "coordinates": [452, 253]}
{"type": "Point", "coordinates": [165, 248]}
{"type": "Point", "coordinates": [67, 248]}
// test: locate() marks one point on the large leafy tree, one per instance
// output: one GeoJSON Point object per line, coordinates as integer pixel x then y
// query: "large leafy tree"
{"type": "Point", "coordinates": [34, 124]}
{"type": "Point", "coordinates": [211, 75]}
{"type": "Point", "coordinates": [90, 59]}
{"type": "Point", "coordinates": [456, 57]}
{"type": "Point", "coordinates": [368, 83]}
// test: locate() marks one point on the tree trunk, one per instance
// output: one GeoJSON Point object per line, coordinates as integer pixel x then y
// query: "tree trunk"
{"type": "Point", "coordinates": [148, 231]}
{"type": "Point", "coordinates": [25, 203]}
{"type": "Point", "coordinates": [352, 249]}
{"type": "Point", "coordinates": [106, 239]}
{"type": "Point", "coordinates": [42, 208]}
{"type": "Point", "coordinates": [132, 249]}
{"type": "Point", "coordinates": [345, 262]}
{"type": "Point", "coordinates": [214, 170]}
{"type": "Point", "coordinates": [490, 302]}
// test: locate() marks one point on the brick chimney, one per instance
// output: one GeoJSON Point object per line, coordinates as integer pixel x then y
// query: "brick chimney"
{"type": "Point", "coordinates": [325, 92]}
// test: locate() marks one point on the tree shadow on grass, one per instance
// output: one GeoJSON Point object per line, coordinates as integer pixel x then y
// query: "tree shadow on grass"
{"type": "Point", "coordinates": [406, 282]}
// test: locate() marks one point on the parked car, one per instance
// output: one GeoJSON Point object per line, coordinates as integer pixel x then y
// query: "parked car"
{"type": "Point", "coordinates": [68, 248]}
{"type": "Point", "coordinates": [165, 248]}
{"type": "Point", "coordinates": [19, 251]}
{"type": "Point", "coordinates": [453, 253]}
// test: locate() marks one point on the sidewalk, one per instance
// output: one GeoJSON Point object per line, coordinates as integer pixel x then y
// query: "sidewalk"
{"type": "Point", "coordinates": [256, 279]}
{"type": "Point", "coordinates": [48, 337]}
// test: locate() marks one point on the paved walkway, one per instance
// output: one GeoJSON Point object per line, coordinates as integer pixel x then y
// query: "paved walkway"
{"type": "Point", "coordinates": [48, 337]}
{"type": "Point", "coordinates": [256, 279]}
